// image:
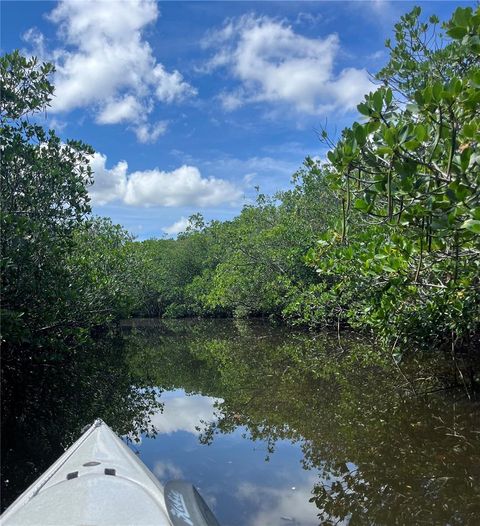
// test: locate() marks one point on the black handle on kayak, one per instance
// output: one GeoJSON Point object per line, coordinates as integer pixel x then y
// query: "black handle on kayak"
{"type": "Point", "coordinates": [185, 505]}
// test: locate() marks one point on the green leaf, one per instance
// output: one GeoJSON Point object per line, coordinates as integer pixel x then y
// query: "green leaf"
{"type": "Point", "coordinates": [384, 150]}
{"type": "Point", "coordinates": [461, 17]}
{"type": "Point", "coordinates": [469, 130]}
{"type": "Point", "coordinates": [465, 158]}
{"type": "Point", "coordinates": [361, 204]}
{"type": "Point", "coordinates": [378, 101]}
{"type": "Point", "coordinates": [419, 98]}
{"type": "Point", "coordinates": [473, 225]}
{"type": "Point", "coordinates": [437, 91]}
{"type": "Point", "coordinates": [373, 126]}
{"type": "Point", "coordinates": [427, 94]}
{"type": "Point", "coordinates": [475, 78]}
{"type": "Point", "coordinates": [456, 86]}
{"type": "Point", "coordinates": [403, 133]}
{"type": "Point", "coordinates": [421, 132]}
{"type": "Point", "coordinates": [388, 96]}
{"type": "Point", "coordinates": [364, 109]}
{"type": "Point", "coordinates": [457, 33]}
{"type": "Point", "coordinates": [461, 191]}
{"type": "Point", "coordinates": [412, 145]}
{"type": "Point", "coordinates": [360, 134]}
{"type": "Point", "coordinates": [389, 136]}
{"type": "Point", "coordinates": [475, 213]}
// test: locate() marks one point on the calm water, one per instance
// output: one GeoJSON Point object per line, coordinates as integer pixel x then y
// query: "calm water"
{"type": "Point", "coordinates": [270, 425]}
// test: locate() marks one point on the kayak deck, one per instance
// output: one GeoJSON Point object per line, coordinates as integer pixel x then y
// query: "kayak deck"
{"type": "Point", "coordinates": [98, 480]}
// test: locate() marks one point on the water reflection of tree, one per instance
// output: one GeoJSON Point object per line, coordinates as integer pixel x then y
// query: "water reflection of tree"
{"type": "Point", "coordinates": [46, 403]}
{"type": "Point", "coordinates": [384, 456]}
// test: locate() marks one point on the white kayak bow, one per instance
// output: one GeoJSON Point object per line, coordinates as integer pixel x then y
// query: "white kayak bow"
{"type": "Point", "coordinates": [100, 481]}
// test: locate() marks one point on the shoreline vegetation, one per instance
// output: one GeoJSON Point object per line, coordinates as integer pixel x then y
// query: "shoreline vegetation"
{"type": "Point", "coordinates": [382, 237]}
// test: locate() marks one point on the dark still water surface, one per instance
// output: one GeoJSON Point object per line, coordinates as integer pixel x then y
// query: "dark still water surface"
{"type": "Point", "coordinates": [275, 427]}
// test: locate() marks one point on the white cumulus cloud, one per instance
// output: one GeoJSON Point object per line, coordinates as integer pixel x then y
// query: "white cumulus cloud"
{"type": "Point", "coordinates": [275, 64]}
{"type": "Point", "coordinates": [184, 186]}
{"type": "Point", "coordinates": [150, 132]}
{"type": "Point", "coordinates": [105, 64]}
{"type": "Point", "coordinates": [180, 187]}
{"type": "Point", "coordinates": [125, 109]}
{"type": "Point", "coordinates": [109, 183]}
{"type": "Point", "coordinates": [177, 227]}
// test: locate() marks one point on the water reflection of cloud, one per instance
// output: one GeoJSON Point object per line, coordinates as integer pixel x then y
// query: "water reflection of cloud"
{"type": "Point", "coordinates": [184, 413]}
{"type": "Point", "coordinates": [167, 471]}
{"type": "Point", "coordinates": [276, 506]}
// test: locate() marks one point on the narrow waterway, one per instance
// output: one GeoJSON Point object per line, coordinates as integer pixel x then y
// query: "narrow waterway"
{"type": "Point", "coordinates": [270, 424]}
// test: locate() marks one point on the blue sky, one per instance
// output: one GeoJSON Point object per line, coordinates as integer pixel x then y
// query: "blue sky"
{"type": "Point", "coordinates": [191, 105]}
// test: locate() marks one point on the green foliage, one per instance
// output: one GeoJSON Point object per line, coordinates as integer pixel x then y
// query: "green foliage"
{"type": "Point", "coordinates": [250, 266]}
{"type": "Point", "coordinates": [61, 272]}
{"type": "Point", "coordinates": [43, 199]}
{"type": "Point", "coordinates": [408, 178]}
{"type": "Point", "coordinates": [169, 268]}
{"type": "Point", "coordinates": [25, 85]}
{"type": "Point", "coordinates": [105, 271]}
{"type": "Point", "coordinates": [263, 268]}
{"type": "Point", "coordinates": [383, 237]}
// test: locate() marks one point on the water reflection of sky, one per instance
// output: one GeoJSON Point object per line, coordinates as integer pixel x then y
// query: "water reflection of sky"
{"type": "Point", "coordinates": [231, 473]}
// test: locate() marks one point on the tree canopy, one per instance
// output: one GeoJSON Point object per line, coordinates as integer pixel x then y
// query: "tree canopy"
{"type": "Point", "coordinates": [382, 236]}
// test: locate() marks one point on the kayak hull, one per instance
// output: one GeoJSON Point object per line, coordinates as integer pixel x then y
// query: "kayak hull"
{"type": "Point", "coordinates": [97, 481]}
